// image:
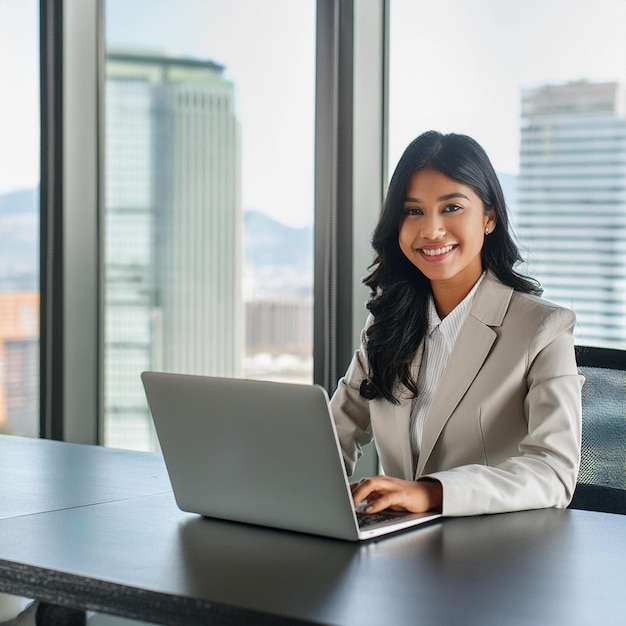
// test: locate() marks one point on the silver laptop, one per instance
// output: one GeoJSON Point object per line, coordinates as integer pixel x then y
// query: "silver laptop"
{"type": "Point", "coordinates": [261, 453]}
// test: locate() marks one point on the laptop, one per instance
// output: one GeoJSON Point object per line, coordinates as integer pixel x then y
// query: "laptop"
{"type": "Point", "coordinates": [259, 452]}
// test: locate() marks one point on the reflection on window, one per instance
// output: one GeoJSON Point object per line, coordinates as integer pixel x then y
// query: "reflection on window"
{"type": "Point", "coordinates": [19, 218]}
{"type": "Point", "coordinates": [208, 197]}
{"type": "Point", "coordinates": [552, 116]}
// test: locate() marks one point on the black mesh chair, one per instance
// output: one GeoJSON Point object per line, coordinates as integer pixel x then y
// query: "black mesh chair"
{"type": "Point", "coordinates": [601, 484]}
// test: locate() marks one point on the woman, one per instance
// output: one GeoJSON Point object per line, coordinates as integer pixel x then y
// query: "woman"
{"type": "Point", "coordinates": [466, 379]}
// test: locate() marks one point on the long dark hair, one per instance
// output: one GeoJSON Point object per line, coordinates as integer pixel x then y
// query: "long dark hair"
{"type": "Point", "coordinates": [399, 291]}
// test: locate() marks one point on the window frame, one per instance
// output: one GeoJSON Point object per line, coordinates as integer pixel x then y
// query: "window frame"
{"type": "Point", "coordinates": [350, 175]}
{"type": "Point", "coordinates": [69, 284]}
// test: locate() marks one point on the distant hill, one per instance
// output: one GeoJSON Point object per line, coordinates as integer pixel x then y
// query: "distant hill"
{"type": "Point", "coordinates": [268, 242]}
{"type": "Point", "coordinates": [23, 201]}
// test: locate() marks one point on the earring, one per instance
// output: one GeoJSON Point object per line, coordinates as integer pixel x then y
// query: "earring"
{"type": "Point", "coordinates": [486, 231]}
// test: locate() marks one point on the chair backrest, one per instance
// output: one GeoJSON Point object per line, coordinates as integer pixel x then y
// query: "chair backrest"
{"type": "Point", "coordinates": [601, 484]}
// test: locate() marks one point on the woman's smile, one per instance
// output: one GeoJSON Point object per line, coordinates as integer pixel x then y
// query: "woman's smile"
{"type": "Point", "coordinates": [437, 254]}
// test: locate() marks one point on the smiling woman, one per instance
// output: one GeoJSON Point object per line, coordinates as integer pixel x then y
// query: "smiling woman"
{"type": "Point", "coordinates": [465, 378]}
{"type": "Point", "coordinates": [433, 165]}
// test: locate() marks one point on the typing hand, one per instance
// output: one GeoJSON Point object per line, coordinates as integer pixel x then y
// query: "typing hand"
{"type": "Point", "coordinates": [385, 492]}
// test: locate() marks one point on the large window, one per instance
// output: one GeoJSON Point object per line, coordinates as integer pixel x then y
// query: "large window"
{"type": "Point", "coordinates": [542, 86]}
{"type": "Point", "coordinates": [19, 217]}
{"type": "Point", "coordinates": [208, 196]}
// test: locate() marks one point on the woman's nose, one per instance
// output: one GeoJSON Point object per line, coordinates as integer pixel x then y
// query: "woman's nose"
{"type": "Point", "coordinates": [432, 228]}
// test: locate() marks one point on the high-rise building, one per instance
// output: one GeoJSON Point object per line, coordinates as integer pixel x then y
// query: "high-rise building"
{"type": "Point", "coordinates": [571, 205]}
{"type": "Point", "coordinates": [172, 230]}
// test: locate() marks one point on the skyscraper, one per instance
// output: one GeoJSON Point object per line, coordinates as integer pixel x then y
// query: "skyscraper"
{"type": "Point", "coordinates": [172, 230]}
{"type": "Point", "coordinates": [571, 208]}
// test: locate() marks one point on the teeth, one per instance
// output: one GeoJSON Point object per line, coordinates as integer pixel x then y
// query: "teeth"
{"type": "Point", "coordinates": [437, 251]}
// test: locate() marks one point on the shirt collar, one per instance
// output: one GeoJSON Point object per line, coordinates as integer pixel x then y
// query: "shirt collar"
{"type": "Point", "coordinates": [451, 324]}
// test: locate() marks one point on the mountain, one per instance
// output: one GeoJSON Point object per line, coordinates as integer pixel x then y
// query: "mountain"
{"type": "Point", "coordinates": [23, 201]}
{"type": "Point", "coordinates": [268, 242]}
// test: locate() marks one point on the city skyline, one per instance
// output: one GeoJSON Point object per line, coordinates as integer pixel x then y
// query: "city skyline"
{"type": "Point", "coordinates": [275, 251]}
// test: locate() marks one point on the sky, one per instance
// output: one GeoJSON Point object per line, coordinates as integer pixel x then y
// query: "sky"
{"type": "Point", "coordinates": [19, 95]}
{"type": "Point", "coordinates": [455, 65]}
{"type": "Point", "coordinates": [460, 65]}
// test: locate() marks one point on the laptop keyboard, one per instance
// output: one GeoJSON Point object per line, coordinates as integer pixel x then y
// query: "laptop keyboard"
{"type": "Point", "coordinates": [368, 519]}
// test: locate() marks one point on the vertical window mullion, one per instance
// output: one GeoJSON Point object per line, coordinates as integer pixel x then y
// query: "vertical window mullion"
{"type": "Point", "coordinates": [51, 220]}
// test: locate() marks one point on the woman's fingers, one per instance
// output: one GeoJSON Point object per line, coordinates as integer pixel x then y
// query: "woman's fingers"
{"type": "Point", "coordinates": [377, 491]}
{"type": "Point", "coordinates": [383, 492]}
{"type": "Point", "coordinates": [365, 489]}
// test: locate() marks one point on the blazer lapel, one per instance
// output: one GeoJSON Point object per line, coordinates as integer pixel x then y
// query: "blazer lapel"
{"type": "Point", "coordinates": [468, 355]}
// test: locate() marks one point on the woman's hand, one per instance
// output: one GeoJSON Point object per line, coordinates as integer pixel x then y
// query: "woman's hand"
{"type": "Point", "coordinates": [385, 492]}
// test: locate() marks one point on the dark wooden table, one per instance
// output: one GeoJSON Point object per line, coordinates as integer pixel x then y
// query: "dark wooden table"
{"type": "Point", "coordinates": [98, 529]}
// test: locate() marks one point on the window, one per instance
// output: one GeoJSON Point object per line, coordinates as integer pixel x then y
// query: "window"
{"type": "Point", "coordinates": [541, 86]}
{"type": "Point", "coordinates": [208, 196]}
{"type": "Point", "coordinates": [19, 217]}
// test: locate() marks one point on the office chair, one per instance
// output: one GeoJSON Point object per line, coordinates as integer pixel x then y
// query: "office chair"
{"type": "Point", "coordinates": [601, 484]}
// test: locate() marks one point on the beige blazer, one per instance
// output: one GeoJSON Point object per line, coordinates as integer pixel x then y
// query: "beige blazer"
{"type": "Point", "coordinates": [503, 431]}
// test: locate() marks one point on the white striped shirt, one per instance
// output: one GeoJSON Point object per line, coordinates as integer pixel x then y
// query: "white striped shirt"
{"type": "Point", "coordinates": [438, 343]}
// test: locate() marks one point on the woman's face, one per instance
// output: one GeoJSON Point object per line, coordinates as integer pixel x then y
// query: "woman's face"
{"type": "Point", "coordinates": [442, 229]}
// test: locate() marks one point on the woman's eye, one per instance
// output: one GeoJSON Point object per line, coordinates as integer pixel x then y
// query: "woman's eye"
{"type": "Point", "coordinates": [452, 208]}
{"type": "Point", "coordinates": [412, 211]}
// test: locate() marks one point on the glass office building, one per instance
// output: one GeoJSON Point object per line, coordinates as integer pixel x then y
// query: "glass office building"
{"type": "Point", "coordinates": [571, 194]}
{"type": "Point", "coordinates": [173, 223]}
